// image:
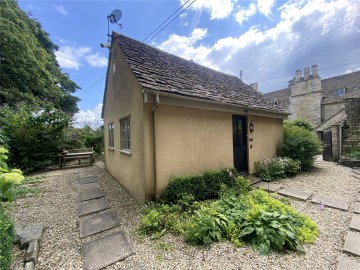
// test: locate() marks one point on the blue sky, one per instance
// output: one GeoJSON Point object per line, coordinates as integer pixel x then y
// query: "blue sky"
{"type": "Point", "coordinates": [265, 39]}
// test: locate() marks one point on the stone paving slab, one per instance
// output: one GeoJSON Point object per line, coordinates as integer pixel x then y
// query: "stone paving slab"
{"type": "Point", "coordinates": [268, 186]}
{"type": "Point", "coordinates": [93, 206]}
{"type": "Point", "coordinates": [25, 234]}
{"type": "Point", "coordinates": [98, 223]}
{"type": "Point", "coordinates": [357, 208]}
{"type": "Point", "coordinates": [86, 180]}
{"type": "Point", "coordinates": [331, 202]}
{"type": "Point", "coordinates": [352, 243]}
{"type": "Point", "coordinates": [91, 194]}
{"type": "Point", "coordinates": [295, 193]}
{"type": "Point", "coordinates": [355, 223]}
{"type": "Point", "coordinates": [87, 187]}
{"type": "Point", "coordinates": [347, 264]}
{"type": "Point", "coordinates": [253, 179]}
{"type": "Point", "coordinates": [105, 251]}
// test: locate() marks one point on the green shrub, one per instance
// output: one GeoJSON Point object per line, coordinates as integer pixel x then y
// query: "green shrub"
{"type": "Point", "coordinates": [353, 153]}
{"type": "Point", "coordinates": [6, 241]}
{"type": "Point", "coordinates": [202, 187]}
{"type": "Point", "coordinates": [300, 144]}
{"type": "Point", "coordinates": [303, 123]}
{"type": "Point", "coordinates": [277, 168]}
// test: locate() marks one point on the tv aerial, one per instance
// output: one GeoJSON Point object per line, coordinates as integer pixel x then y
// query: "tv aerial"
{"type": "Point", "coordinates": [114, 17]}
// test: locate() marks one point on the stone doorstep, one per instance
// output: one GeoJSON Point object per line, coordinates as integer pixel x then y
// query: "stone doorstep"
{"type": "Point", "coordinates": [295, 193]}
{"type": "Point", "coordinates": [357, 208]}
{"type": "Point", "coordinates": [86, 180]}
{"type": "Point", "coordinates": [347, 264]}
{"type": "Point", "coordinates": [93, 206]}
{"type": "Point", "coordinates": [105, 251]}
{"type": "Point", "coordinates": [253, 179]}
{"type": "Point", "coordinates": [355, 223]}
{"type": "Point", "coordinates": [331, 202]}
{"type": "Point", "coordinates": [268, 186]}
{"type": "Point", "coordinates": [87, 187]}
{"type": "Point", "coordinates": [91, 194]}
{"type": "Point", "coordinates": [352, 243]}
{"type": "Point", "coordinates": [98, 223]}
{"type": "Point", "coordinates": [27, 233]}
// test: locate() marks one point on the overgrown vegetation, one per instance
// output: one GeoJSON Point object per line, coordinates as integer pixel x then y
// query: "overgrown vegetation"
{"type": "Point", "coordinates": [353, 153]}
{"type": "Point", "coordinates": [8, 178]}
{"type": "Point", "coordinates": [238, 215]}
{"type": "Point", "coordinates": [300, 143]}
{"type": "Point", "coordinates": [271, 169]}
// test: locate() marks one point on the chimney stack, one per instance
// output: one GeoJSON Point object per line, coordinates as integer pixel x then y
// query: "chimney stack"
{"type": "Point", "coordinates": [297, 75]}
{"type": "Point", "coordinates": [306, 73]}
{"type": "Point", "coordinates": [314, 71]}
{"type": "Point", "coordinates": [255, 86]}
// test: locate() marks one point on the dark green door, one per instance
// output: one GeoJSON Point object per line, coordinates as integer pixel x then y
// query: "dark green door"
{"type": "Point", "coordinates": [239, 143]}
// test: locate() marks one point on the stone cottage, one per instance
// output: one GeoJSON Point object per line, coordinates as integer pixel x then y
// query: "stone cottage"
{"type": "Point", "coordinates": [332, 105]}
{"type": "Point", "coordinates": [165, 116]}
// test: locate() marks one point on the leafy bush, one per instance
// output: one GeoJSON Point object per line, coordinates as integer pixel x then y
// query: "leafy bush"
{"type": "Point", "coordinates": [303, 123]}
{"type": "Point", "coordinates": [300, 144]}
{"type": "Point", "coordinates": [202, 187]}
{"type": "Point", "coordinates": [277, 168]}
{"type": "Point", "coordinates": [6, 241]}
{"type": "Point", "coordinates": [353, 153]}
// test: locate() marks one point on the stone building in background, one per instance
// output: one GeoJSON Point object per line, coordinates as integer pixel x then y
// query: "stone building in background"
{"type": "Point", "coordinates": [332, 105]}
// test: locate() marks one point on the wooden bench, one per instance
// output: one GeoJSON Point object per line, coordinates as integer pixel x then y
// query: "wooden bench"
{"type": "Point", "coordinates": [76, 154]}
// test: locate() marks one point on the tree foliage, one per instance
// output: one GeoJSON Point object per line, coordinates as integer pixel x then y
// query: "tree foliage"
{"type": "Point", "coordinates": [29, 72]}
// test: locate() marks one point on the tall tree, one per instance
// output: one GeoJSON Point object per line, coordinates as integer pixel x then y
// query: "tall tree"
{"type": "Point", "coordinates": [29, 72]}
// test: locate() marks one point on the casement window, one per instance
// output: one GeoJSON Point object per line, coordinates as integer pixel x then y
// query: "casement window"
{"type": "Point", "coordinates": [111, 135]}
{"type": "Point", "coordinates": [339, 92]}
{"type": "Point", "coordinates": [125, 142]}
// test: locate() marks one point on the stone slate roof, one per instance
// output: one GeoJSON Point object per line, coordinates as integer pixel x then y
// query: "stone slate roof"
{"type": "Point", "coordinates": [158, 70]}
{"type": "Point", "coordinates": [351, 82]}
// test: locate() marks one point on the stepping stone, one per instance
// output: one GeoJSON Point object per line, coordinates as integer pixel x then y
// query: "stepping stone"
{"type": "Point", "coordinates": [268, 186]}
{"type": "Point", "coordinates": [26, 234]}
{"type": "Point", "coordinates": [331, 202]}
{"type": "Point", "coordinates": [357, 208]}
{"type": "Point", "coordinates": [253, 179]}
{"type": "Point", "coordinates": [295, 193]}
{"type": "Point", "coordinates": [87, 187]}
{"type": "Point", "coordinates": [98, 223]}
{"type": "Point", "coordinates": [137, 266]}
{"type": "Point", "coordinates": [86, 180]}
{"type": "Point", "coordinates": [91, 194]}
{"type": "Point", "coordinates": [352, 243]}
{"type": "Point", "coordinates": [355, 223]}
{"type": "Point", "coordinates": [93, 206]}
{"type": "Point", "coordinates": [347, 264]}
{"type": "Point", "coordinates": [104, 251]}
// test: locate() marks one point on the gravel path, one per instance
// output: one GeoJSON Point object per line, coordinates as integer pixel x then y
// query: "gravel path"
{"type": "Point", "coordinates": [56, 207]}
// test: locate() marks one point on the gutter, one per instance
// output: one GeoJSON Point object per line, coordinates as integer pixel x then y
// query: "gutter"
{"type": "Point", "coordinates": [340, 140]}
{"type": "Point", "coordinates": [157, 99]}
{"type": "Point", "coordinates": [246, 109]}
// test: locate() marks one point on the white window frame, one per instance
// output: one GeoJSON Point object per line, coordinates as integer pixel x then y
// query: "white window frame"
{"type": "Point", "coordinates": [125, 135]}
{"type": "Point", "coordinates": [111, 135]}
{"type": "Point", "coordinates": [339, 92]}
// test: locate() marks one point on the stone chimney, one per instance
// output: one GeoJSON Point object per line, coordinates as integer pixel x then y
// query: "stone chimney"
{"type": "Point", "coordinates": [255, 86]}
{"type": "Point", "coordinates": [297, 75]}
{"type": "Point", "coordinates": [314, 71]}
{"type": "Point", "coordinates": [306, 73]}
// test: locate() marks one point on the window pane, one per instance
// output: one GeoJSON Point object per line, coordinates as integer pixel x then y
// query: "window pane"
{"type": "Point", "coordinates": [125, 134]}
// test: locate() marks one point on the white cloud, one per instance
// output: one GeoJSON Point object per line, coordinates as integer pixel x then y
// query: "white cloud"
{"type": "Point", "coordinates": [299, 21]}
{"type": "Point", "coordinates": [88, 117]}
{"type": "Point", "coordinates": [61, 9]}
{"type": "Point", "coordinates": [245, 13]}
{"type": "Point", "coordinates": [96, 60]}
{"type": "Point", "coordinates": [218, 9]}
{"type": "Point", "coordinates": [74, 57]}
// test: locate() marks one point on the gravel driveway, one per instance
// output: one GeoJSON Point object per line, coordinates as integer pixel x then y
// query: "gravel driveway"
{"type": "Point", "coordinates": [57, 205]}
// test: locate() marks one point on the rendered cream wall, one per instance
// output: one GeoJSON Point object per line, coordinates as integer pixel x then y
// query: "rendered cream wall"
{"type": "Point", "coordinates": [191, 141]}
{"type": "Point", "coordinates": [124, 98]}
{"type": "Point", "coordinates": [267, 136]}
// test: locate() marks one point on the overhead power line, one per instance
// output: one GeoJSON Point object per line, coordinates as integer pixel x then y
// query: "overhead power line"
{"type": "Point", "coordinates": [300, 44]}
{"type": "Point", "coordinates": [87, 89]}
{"type": "Point", "coordinates": [288, 75]}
